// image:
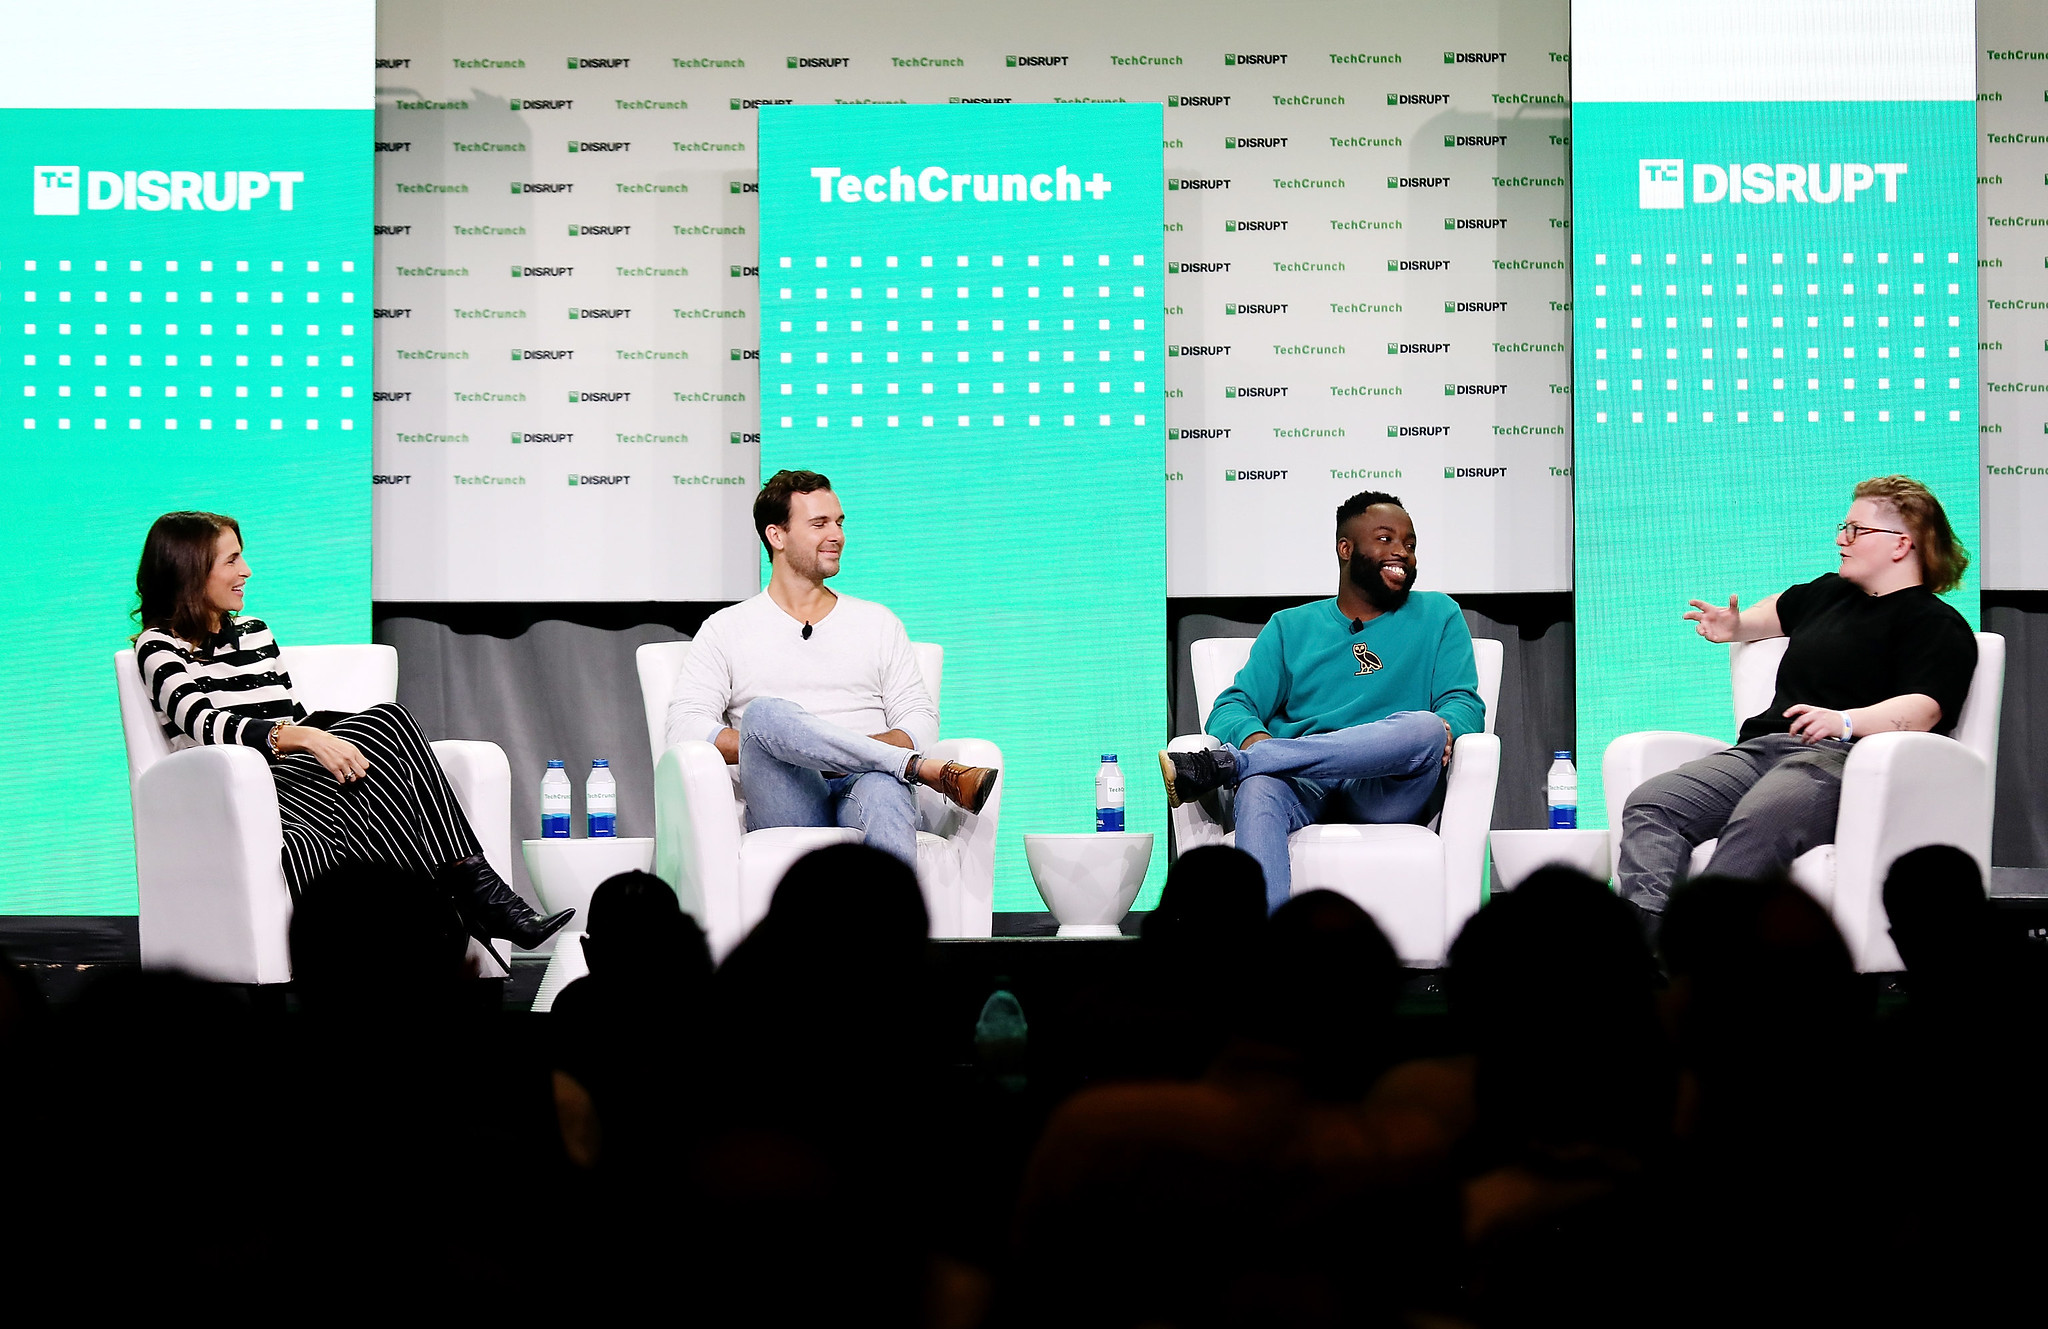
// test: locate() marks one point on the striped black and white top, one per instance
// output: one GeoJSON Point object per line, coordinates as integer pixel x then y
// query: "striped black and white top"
{"type": "Point", "coordinates": [232, 690]}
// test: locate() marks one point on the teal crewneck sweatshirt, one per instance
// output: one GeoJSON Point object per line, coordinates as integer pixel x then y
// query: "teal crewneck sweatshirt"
{"type": "Point", "coordinates": [1310, 674]}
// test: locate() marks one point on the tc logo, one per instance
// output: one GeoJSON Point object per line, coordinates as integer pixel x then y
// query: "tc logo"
{"type": "Point", "coordinates": [1660, 182]}
{"type": "Point", "coordinates": [56, 191]}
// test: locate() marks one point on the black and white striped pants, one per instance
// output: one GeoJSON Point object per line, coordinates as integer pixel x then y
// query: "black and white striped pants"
{"type": "Point", "coordinates": [403, 812]}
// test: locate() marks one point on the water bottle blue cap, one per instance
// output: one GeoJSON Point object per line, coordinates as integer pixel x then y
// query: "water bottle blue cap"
{"type": "Point", "coordinates": [1109, 756]}
{"type": "Point", "coordinates": [554, 763]}
{"type": "Point", "coordinates": [1561, 756]}
{"type": "Point", "coordinates": [599, 761]}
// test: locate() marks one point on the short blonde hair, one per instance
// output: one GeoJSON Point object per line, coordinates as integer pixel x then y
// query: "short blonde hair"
{"type": "Point", "coordinates": [1943, 559]}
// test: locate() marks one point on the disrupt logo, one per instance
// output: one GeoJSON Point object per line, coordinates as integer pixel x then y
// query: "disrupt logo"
{"type": "Point", "coordinates": [600, 479]}
{"type": "Point", "coordinates": [390, 479]}
{"type": "Point", "coordinates": [552, 104]}
{"type": "Point", "coordinates": [529, 187]}
{"type": "Point", "coordinates": [1417, 347]}
{"type": "Point", "coordinates": [745, 270]}
{"type": "Point", "coordinates": [520, 354]}
{"type": "Point", "coordinates": [1254, 142]}
{"type": "Point", "coordinates": [57, 191]}
{"type": "Point", "coordinates": [1660, 182]}
{"type": "Point", "coordinates": [1254, 59]}
{"type": "Point", "coordinates": [737, 439]}
{"type": "Point", "coordinates": [817, 62]}
{"type": "Point", "coordinates": [600, 230]}
{"type": "Point", "coordinates": [1418, 98]}
{"type": "Point", "coordinates": [543, 272]}
{"type": "Point", "coordinates": [746, 353]}
{"type": "Point", "coordinates": [1475, 57]}
{"type": "Point", "coordinates": [391, 396]}
{"type": "Point", "coordinates": [1417, 431]}
{"type": "Point", "coordinates": [581, 145]}
{"type": "Point", "coordinates": [585, 62]}
{"type": "Point", "coordinates": [1198, 350]}
{"type": "Point", "coordinates": [1474, 472]}
{"type": "Point", "coordinates": [1474, 140]}
{"type": "Point", "coordinates": [931, 185]}
{"type": "Point", "coordinates": [1475, 223]}
{"type": "Point", "coordinates": [1475, 389]}
{"type": "Point", "coordinates": [395, 147]}
{"type": "Point", "coordinates": [1197, 184]}
{"type": "Point", "coordinates": [1474, 306]}
{"type": "Point", "coordinates": [576, 397]}
{"type": "Point", "coordinates": [1035, 61]}
{"type": "Point", "coordinates": [599, 313]}
{"type": "Point", "coordinates": [393, 230]}
{"type": "Point", "coordinates": [1194, 268]}
{"type": "Point", "coordinates": [1255, 309]}
{"type": "Point", "coordinates": [1417, 264]}
{"type": "Point", "coordinates": [749, 103]}
{"type": "Point", "coordinates": [543, 438]}
{"type": "Point", "coordinates": [1234, 393]}
{"type": "Point", "coordinates": [391, 313]}
{"type": "Point", "coordinates": [1255, 475]}
{"type": "Point", "coordinates": [1417, 181]}
{"type": "Point", "coordinates": [1175, 435]}
{"type": "Point", "coordinates": [1197, 101]}
{"type": "Point", "coordinates": [1235, 226]}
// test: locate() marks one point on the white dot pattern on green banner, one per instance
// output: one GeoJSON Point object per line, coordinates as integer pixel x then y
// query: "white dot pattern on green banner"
{"type": "Point", "coordinates": [998, 340]}
{"type": "Point", "coordinates": [187, 343]}
{"type": "Point", "coordinates": [1779, 338]}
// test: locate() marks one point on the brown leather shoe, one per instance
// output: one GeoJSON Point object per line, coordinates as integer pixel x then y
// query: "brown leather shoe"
{"type": "Point", "coordinates": [969, 786]}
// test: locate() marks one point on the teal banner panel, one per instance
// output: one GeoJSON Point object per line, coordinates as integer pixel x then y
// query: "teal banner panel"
{"type": "Point", "coordinates": [1772, 301]}
{"type": "Point", "coordinates": [185, 320]}
{"type": "Point", "coordinates": [961, 325]}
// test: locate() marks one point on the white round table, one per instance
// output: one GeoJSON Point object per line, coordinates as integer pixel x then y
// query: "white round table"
{"type": "Point", "coordinates": [1088, 879]}
{"type": "Point", "coordinates": [1516, 854]}
{"type": "Point", "coordinates": [566, 873]}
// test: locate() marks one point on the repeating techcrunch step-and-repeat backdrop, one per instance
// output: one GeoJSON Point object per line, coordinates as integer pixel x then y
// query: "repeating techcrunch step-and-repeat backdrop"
{"type": "Point", "coordinates": [1365, 234]}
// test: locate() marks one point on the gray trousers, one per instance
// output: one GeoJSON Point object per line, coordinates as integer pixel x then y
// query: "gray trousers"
{"type": "Point", "coordinates": [1769, 800]}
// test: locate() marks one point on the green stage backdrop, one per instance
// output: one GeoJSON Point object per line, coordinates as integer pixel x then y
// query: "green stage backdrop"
{"type": "Point", "coordinates": [1741, 362]}
{"type": "Point", "coordinates": [185, 318]}
{"type": "Point", "coordinates": [962, 326]}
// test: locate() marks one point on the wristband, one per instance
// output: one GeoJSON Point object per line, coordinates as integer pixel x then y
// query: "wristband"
{"type": "Point", "coordinates": [271, 740]}
{"type": "Point", "coordinates": [1848, 728]}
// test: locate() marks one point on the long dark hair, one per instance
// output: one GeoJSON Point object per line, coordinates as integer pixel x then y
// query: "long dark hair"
{"type": "Point", "coordinates": [170, 582]}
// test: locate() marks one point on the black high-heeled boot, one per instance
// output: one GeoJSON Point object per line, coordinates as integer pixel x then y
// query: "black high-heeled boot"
{"type": "Point", "coordinates": [491, 908]}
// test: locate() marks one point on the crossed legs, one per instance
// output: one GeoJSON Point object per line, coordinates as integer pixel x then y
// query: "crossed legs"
{"type": "Point", "coordinates": [785, 752]}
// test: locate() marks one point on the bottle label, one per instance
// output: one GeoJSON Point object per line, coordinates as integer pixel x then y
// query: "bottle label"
{"type": "Point", "coordinates": [1109, 819]}
{"type": "Point", "coordinates": [554, 825]}
{"type": "Point", "coordinates": [603, 825]}
{"type": "Point", "coordinates": [1564, 817]}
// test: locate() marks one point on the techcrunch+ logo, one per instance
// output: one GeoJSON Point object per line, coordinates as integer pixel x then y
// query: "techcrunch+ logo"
{"type": "Point", "coordinates": [1660, 182]}
{"type": "Point", "coordinates": [58, 193]}
{"type": "Point", "coordinates": [931, 186]}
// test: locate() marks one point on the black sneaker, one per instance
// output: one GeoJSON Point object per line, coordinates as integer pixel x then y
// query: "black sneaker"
{"type": "Point", "coordinates": [1189, 775]}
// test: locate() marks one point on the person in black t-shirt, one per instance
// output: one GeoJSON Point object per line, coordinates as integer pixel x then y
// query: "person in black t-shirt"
{"type": "Point", "coordinates": [1872, 649]}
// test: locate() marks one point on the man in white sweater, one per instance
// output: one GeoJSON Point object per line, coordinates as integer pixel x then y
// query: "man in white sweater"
{"type": "Point", "coordinates": [816, 696]}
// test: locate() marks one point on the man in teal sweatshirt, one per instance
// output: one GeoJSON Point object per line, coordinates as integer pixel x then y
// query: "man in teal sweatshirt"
{"type": "Point", "coordinates": [1347, 709]}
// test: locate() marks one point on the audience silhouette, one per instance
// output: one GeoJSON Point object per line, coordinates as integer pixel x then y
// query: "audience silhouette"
{"type": "Point", "coordinates": [1255, 1122]}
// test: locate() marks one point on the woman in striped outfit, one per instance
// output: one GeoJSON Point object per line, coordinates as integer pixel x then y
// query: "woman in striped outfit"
{"type": "Point", "coordinates": [361, 788]}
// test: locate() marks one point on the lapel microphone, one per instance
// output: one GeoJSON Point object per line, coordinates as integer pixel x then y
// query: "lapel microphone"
{"type": "Point", "coordinates": [1357, 626]}
{"type": "Point", "coordinates": [806, 634]}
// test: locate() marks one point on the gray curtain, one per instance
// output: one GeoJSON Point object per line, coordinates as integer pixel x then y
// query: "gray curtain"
{"type": "Point", "coordinates": [2019, 834]}
{"type": "Point", "coordinates": [555, 689]}
{"type": "Point", "coordinates": [1537, 714]}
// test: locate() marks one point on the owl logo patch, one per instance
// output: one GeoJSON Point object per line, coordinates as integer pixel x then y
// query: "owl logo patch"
{"type": "Point", "coordinates": [1368, 663]}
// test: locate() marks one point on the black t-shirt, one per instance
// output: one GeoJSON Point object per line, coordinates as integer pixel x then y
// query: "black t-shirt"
{"type": "Point", "coordinates": [1850, 649]}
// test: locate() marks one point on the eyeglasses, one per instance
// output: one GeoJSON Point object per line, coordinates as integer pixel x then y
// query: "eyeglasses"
{"type": "Point", "coordinates": [1853, 531]}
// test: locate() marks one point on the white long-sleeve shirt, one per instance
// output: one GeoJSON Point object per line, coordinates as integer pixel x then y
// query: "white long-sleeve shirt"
{"type": "Point", "coordinates": [856, 670]}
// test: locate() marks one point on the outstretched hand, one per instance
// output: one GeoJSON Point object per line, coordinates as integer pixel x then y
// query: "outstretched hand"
{"type": "Point", "coordinates": [1716, 623]}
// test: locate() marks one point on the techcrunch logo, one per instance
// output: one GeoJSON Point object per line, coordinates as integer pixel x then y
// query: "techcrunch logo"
{"type": "Point", "coordinates": [1363, 58]}
{"type": "Point", "coordinates": [1363, 224]}
{"type": "Point", "coordinates": [705, 146]}
{"type": "Point", "coordinates": [1127, 61]}
{"type": "Point", "coordinates": [431, 189]}
{"type": "Point", "coordinates": [1366, 307]}
{"type": "Point", "coordinates": [1234, 142]}
{"type": "Point", "coordinates": [434, 355]}
{"type": "Point", "coordinates": [483, 230]}
{"type": "Point", "coordinates": [1361, 474]}
{"type": "Point", "coordinates": [1231, 394]}
{"type": "Point", "coordinates": [646, 104]}
{"type": "Point", "coordinates": [1660, 182]}
{"type": "Point", "coordinates": [1172, 100]}
{"type": "Point", "coordinates": [423, 105]}
{"type": "Point", "coordinates": [1310, 350]}
{"type": "Point", "coordinates": [1989, 469]}
{"type": "Point", "coordinates": [707, 396]}
{"type": "Point", "coordinates": [1417, 431]}
{"type": "Point", "coordinates": [648, 187]}
{"type": "Point", "coordinates": [1529, 182]}
{"type": "Point", "coordinates": [650, 355]}
{"type": "Point", "coordinates": [705, 62]}
{"type": "Point", "coordinates": [2016, 55]}
{"type": "Point", "coordinates": [930, 185]}
{"type": "Point", "coordinates": [474, 313]}
{"type": "Point", "coordinates": [460, 63]}
{"type": "Point", "coordinates": [927, 61]}
{"type": "Point", "coordinates": [1364, 391]}
{"type": "Point", "coordinates": [1529, 348]}
{"type": "Point", "coordinates": [489, 479]}
{"type": "Point", "coordinates": [709, 479]}
{"type": "Point", "coordinates": [57, 192]}
{"type": "Point", "coordinates": [1254, 475]}
{"type": "Point", "coordinates": [1304, 265]}
{"type": "Point", "coordinates": [1308, 184]}
{"type": "Point", "coordinates": [404, 271]}
{"type": "Point", "coordinates": [749, 103]}
{"type": "Point", "coordinates": [650, 438]}
{"type": "Point", "coordinates": [1035, 61]}
{"type": "Point", "coordinates": [432, 438]}
{"type": "Point", "coordinates": [1305, 432]}
{"type": "Point", "coordinates": [488, 147]}
{"type": "Point", "coordinates": [1362, 142]}
{"type": "Point", "coordinates": [1513, 430]}
{"type": "Point", "coordinates": [1302, 99]}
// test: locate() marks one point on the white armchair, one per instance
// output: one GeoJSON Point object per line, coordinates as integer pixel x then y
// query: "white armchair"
{"type": "Point", "coordinates": [209, 876]}
{"type": "Point", "coordinates": [1420, 883]}
{"type": "Point", "coordinates": [725, 874]}
{"type": "Point", "coordinates": [1899, 791]}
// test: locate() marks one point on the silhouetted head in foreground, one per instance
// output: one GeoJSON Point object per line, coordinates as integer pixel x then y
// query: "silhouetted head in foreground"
{"type": "Point", "coordinates": [1940, 918]}
{"type": "Point", "coordinates": [639, 936]}
{"type": "Point", "coordinates": [1214, 894]}
{"type": "Point", "coordinates": [1555, 989]}
{"type": "Point", "coordinates": [366, 936]}
{"type": "Point", "coordinates": [1324, 983]}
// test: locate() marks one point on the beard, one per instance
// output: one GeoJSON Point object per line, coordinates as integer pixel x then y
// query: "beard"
{"type": "Point", "coordinates": [1365, 578]}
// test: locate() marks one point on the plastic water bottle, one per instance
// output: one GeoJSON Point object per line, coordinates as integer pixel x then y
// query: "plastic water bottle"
{"type": "Point", "coordinates": [1109, 794]}
{"type": "Point", "coordinates": [1561, 791]}
{"type": "Point", "coordinates": [554, 802]}
{"type": "Point", "coordinates": [601, 802]}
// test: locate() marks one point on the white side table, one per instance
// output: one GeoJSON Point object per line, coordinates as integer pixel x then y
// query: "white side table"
{"type": "Point", "coordinates": [566, 873]}
{"type": "Point", "coordinates": [1088, 879]}
{"type": "Point", "coordinates": [1516, 854]}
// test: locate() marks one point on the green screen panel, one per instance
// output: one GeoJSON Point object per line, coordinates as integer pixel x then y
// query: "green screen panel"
{"type": "Point", "coordinates": [968, 340]}
{"type": "Point", "coordinates": [183, 352]}
{"type": "Point", "coordinates": [1740, 364]}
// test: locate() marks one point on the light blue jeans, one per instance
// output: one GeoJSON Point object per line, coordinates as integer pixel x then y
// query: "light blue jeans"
{"type": "Point", "coordinates": [1376, 774]}
{"type": "Point", "coordinates": [784, 754]}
